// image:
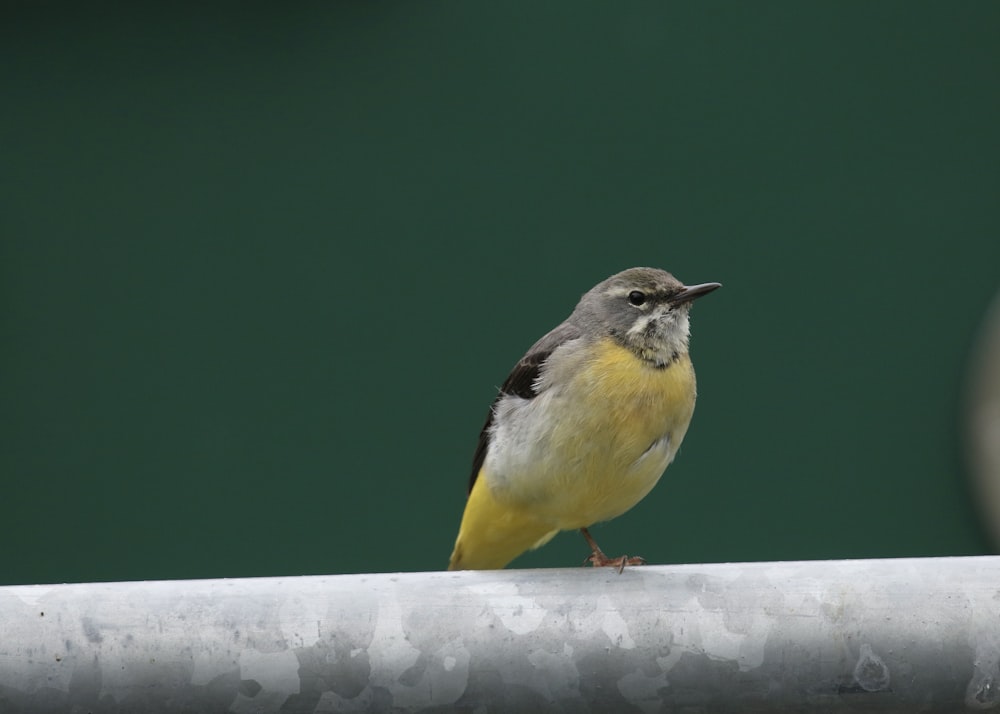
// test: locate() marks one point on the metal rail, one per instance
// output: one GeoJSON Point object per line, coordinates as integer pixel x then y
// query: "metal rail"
{"type": "Point", "coordinates": [907, 635]}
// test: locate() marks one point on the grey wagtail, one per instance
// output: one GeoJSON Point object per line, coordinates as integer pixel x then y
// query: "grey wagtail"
{"type": "Point", "coordinates": [586, 423]}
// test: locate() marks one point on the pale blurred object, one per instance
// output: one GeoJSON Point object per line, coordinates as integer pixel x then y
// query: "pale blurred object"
{"type": "Point", "coordinates": [984, 420]}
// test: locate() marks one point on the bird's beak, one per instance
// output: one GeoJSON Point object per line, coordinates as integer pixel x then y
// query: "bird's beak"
{"type": "Point", "coordinates": [690, 292]}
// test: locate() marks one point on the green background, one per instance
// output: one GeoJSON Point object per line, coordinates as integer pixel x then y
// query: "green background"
{"type": "Point", "coordinates": [264, 265]}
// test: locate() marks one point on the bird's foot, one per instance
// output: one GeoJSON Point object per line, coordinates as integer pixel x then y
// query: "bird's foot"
{"type": "Point", "coordinates": [600, 560]}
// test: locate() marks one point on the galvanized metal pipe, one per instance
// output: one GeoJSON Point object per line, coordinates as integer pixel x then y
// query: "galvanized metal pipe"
{"type": "Point", "coordinates": [909, 635]}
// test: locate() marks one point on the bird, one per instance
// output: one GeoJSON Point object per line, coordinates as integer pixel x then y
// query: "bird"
{"type": "Point", "coordinates": [586, 422]}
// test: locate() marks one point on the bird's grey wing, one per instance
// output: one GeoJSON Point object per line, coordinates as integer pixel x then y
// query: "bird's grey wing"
{"type": "Point", "coordinates": [521, 382]}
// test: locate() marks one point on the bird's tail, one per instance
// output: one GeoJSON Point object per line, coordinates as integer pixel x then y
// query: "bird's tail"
{"type": "Point", "coordinates": [493, 534]}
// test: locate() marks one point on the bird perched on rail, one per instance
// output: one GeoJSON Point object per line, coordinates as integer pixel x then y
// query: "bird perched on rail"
{"type": "Point", "coordinates": [586, 423]}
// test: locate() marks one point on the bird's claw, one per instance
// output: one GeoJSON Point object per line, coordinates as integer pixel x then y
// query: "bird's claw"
{"type": "Point", "coordinates": [600, 560]}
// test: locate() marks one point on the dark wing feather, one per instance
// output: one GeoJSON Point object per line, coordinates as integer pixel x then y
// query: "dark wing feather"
{"type": "Point", "coordinates": [521, 382]}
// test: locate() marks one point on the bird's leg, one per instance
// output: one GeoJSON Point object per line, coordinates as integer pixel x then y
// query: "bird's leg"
{"type": "Point", "coordinates": [600, 560]}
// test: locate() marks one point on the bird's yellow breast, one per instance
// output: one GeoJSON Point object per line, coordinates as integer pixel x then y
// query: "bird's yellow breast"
{"type": "Point", "coordinates": [591, 448]}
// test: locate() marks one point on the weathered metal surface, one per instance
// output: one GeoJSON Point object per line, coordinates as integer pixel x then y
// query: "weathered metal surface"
{"type": "Point", "coordinates": [909, 635]}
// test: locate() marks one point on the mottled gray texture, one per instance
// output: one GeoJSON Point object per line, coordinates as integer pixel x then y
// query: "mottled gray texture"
{"type": "Point", "coordinates": [912, 635]}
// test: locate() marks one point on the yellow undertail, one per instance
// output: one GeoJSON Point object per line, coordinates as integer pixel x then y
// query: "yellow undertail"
{"type": "Point", "coordinates": [492, 534]}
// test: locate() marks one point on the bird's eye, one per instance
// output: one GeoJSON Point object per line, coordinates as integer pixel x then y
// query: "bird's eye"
{"type": "Point", "coordinates": [636, 298]}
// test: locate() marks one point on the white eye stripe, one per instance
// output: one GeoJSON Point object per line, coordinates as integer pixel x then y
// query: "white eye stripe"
{"type": "Point", "coordinates": [624, 292]}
